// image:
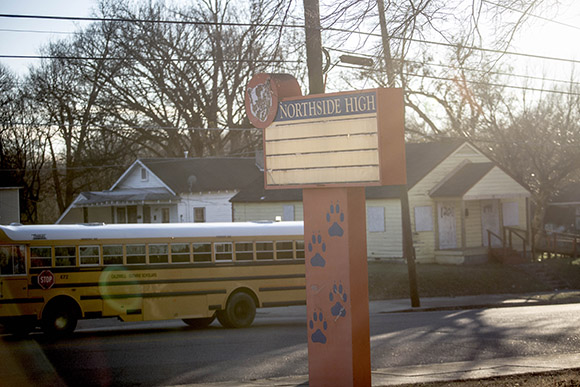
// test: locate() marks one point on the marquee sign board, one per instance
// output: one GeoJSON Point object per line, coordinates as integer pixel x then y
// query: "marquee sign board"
{"type": "Point", "coordinates": [338, 139]}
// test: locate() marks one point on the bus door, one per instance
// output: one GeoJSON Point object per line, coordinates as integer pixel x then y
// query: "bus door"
{"type": "Point", "coordinates": [13, 278]}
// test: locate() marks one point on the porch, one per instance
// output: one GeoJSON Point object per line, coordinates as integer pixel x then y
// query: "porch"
{"type": "Point", "coordinates": [462, 256]}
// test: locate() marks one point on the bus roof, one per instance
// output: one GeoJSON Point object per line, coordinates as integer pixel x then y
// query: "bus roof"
{"type": "Point", "coordinates": [150, 230]}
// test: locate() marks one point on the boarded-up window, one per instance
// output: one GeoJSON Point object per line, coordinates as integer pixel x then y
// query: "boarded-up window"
{"type": "Point", "coordinates": [511, 214]}
{"type": "Point", "coordinates": [423, 218]}
{"type": "Point", "coordinates": [376, 219]}
{"type": "Point", "coordinates": [288, 213]}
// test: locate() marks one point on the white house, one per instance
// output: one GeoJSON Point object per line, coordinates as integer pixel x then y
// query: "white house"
{"type": "Point", "coordinates": [456, 195]}
{"type": "Point", "coordinates": [167, 191]}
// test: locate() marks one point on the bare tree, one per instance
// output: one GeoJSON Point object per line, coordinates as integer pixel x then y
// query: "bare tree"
{"type": "Point", "coordinates": [538, 144]}
{"type": "Point", "coordinates": [21, 149]}
{"type": "Point", "coordinates": [183, 84]}
{"type": "Point", "coordinates": [66, 91]}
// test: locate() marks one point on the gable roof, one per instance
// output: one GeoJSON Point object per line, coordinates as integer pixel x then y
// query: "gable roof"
{"type": "Point", "coordinates": [204, 174]}
{"type": "Point", "coordinates": [462, 180]}
{"type": "Point", "coordinates": [421, 158]}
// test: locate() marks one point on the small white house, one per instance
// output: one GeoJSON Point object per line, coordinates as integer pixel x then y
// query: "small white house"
{"type": "Point", "coordinates": [456, 194]}
{"type": "Point", "coordinates": [167, 191]}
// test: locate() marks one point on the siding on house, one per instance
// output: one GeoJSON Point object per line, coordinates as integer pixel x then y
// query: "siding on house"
{"type": "Point", "coordinates": [252, 212]}
{"type": "Point", "coordinates": [216, 204]}
{"type": "Point", "coordinates": [389, 243]}
{"type": "Point", "coordinates": [473, 233]}
{"type": "Point", "coordinates": [133, 180]}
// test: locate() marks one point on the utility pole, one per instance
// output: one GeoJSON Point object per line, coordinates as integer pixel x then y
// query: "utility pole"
{"type": "Point", "coordinates": [313, 46]}
{"type": "Point", "coordinates": [408, 249]}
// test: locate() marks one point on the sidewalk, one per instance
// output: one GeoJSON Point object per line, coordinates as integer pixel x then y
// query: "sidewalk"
{"type": "Point", "coordinates": [456, 370]}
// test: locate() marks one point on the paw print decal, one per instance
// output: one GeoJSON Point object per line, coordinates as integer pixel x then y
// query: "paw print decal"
{"type": "Point", "coordinates": [317, 323]}
{"type": "Point", "coordinates": [338, 293]}
{"type": "Point", "coordinates": [336, 216]}
{"type": "Point", "coordinates": [317, 244]}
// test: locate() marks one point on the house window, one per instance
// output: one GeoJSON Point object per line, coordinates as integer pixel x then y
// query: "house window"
{"type": "Point", "coordinates": [121, 215]}
{"type": "Point", "coordinates": [288, 213]}
{"type": "Point", "coordinates": [199, 214]}
{"type": "Point", "coordinates": [423, 218]}
{"type": "Point", "coordinates": [511, 216]}
{"type": "Point", "coordinates": [144, 175]}
{"type": "Point", "coordinates": [165, 215]}
{"type": "Point", "coordinates": [376, 219]}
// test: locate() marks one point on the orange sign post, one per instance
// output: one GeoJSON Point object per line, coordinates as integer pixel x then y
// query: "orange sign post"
{"type": "Point", "coordinates": [332, 146]}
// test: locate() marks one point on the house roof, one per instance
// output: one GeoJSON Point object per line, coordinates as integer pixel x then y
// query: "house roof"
{"type": "Point", "coordinates": [204, 174]}
{"type": "Point", "coordinates": [125, 195]}
{"type": "Point", "coordinates": [422, 158]}
{"type": "Point", "coordinates": [462, 180]}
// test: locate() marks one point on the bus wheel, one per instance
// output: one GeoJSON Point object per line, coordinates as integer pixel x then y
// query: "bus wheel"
{"type": "Point", "coordinates": [199, 323]}
{"type": "Point", "coordinates": [60, 318]}
{"type": "Point", "coordinates": [239, 312]}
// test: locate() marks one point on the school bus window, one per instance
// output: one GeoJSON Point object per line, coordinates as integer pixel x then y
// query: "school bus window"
{"type": "Point", "coordinates": [135, 254]}
{"type": "Point", "coordinates": [223, 251]}
{"type": "Point", "coordinates": [65, 256]}
{"type": "Point", "coordinates": [180, 252]}
{"type": "Point", "coordinates": [113, 254]}
{"type": "Point", "coordinates": [41, 256]}
{"type": "Point", "coordinates": [244, 251]}
{"type": "Point", "coordinates": [202, 252]}
{"type": "Point", "coordinates": [284, 250]}
{"type": "Point", "coordinates": [89, 255]}
{"type": "Point", "coordinates": [265, 250]}
{"type": "Point", "coordinates": [300, 249]}
{"type": "Point", "coordinates": [12, 260]}
{"type": "Point", "coordinates": [158, 253]}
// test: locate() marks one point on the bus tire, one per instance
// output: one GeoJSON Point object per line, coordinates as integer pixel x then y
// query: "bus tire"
{"type": "Point", "coordinates": [60, 318]}
{"type": "Point", "coordinates": [199, 323]}
{"type": "Point", "coordinates": [239, 312]}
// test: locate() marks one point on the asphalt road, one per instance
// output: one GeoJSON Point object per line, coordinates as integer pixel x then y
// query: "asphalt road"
{"type": "Point", "coordinates": [106, 352]}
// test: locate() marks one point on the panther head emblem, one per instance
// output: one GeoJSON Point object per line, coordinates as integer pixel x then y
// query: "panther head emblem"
{"type": "Point", "coordinates": [260, 97]}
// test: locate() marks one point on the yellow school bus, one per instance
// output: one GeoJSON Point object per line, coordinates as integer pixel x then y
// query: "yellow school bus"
{"type": "Point", "coordinates": [53, 275]}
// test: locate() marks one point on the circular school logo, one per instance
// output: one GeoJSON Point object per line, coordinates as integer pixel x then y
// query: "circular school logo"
{"type": "Point", "coordinates": [46, 279]}
{"type": "Point", "coordinates": [263, 93]}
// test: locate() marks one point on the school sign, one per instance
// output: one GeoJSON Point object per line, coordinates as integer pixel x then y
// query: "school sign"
{"type": "Point", "coordinates": [339, 139]}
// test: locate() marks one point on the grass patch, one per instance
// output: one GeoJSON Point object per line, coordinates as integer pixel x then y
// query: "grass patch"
{"type": "Point", "coordinates": [391, 280]}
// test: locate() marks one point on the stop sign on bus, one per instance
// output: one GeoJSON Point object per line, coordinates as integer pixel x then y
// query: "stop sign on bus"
{"type": "Point", "coordinates": [46, 279]}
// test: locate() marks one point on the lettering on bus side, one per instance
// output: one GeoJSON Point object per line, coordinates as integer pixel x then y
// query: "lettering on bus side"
{"type": "Point", "coordinates": [132, 275]}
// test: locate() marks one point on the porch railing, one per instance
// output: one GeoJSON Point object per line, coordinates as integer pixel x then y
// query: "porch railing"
{"type": "Point", "coordinates": [557, 243]}
{"type": "Point", "coordinates": [508, 240]}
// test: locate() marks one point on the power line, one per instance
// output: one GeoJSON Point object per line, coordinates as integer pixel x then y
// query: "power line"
{"type": "Point", "coordinates": [232, 24]}
{"type": "Point", "coordinates": [532, 15]}
{"type": "Point", "coordinates": [153, 21]}
{"type": "Point", "coordinates": [38, 31]}
{"type": "Point", "coordinates": [97, 58]}
{"type": "Point", "coordinates": [142, 127]}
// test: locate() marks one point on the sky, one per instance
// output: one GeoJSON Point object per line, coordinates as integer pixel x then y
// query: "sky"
{"type": "Point", "coordinates": [553, 39]}
{"type": "Point", "coordinates": [28, 43]}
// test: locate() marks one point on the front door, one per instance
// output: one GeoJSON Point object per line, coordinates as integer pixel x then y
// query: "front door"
{"type": "Point", "coordinates": [446, 222]}
{"type": "Point", "coordinates": [490, 221]}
